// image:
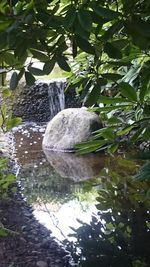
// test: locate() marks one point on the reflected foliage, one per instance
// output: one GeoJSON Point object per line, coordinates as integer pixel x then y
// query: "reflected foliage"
{"type": "Point", "coordinates": [7, 179]}
{"type": "Point", "coordinates": [43, 184]}
{"type": "Point", "coordinates": [119, 234]}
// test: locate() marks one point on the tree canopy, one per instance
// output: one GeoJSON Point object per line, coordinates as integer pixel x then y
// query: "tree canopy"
{"type": "Point", "coordinates": [103, 45]}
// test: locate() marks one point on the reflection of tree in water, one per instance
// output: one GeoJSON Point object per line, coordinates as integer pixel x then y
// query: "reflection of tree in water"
{"type": "Point", "coordinates": [119, 235]}
{"type": "Point", "coordinates": [43, 184]}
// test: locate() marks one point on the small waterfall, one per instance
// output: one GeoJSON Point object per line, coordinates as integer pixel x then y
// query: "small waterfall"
{"type": "Point", "coordinates": [56, 97]}
{"type": "Point", "coordinates": [42, 101]}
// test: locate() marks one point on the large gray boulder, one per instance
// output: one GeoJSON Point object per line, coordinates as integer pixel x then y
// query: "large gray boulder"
{"type": "Point", "coordinates": [70, 127]}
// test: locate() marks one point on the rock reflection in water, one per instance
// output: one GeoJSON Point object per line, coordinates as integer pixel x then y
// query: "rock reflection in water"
{"type": "Point", "coordinates": [76, 167]}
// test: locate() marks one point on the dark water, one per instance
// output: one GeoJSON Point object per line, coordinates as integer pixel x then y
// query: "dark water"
{"type": "Point", "coordinates": [91, 203]}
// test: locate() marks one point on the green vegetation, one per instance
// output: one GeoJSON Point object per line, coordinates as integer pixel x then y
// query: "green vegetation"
{"type": "Point", "coordinates": [104, 47]}
{"type": "Point", "coordinates": [118, 235]}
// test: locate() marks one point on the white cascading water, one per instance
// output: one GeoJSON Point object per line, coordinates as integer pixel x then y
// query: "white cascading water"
{"type": "Point", "coordinates": [56, 96]}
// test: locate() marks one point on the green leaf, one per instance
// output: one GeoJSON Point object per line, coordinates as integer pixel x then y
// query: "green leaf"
{"type": "Point", "coordinates": [6, 93]}
{"type": "Point", "coordinates": [112, 51]}
{"type": "Point", "coordinates": [112, 76]}
{"type": "Point", "coordinates": [20, 74]}
{"type": "Point", "coordinates": [85, 45]}
{"type": "Point", "coordinates": [29, 78]}
{"type": "Point", "coordinates": [115, 120]}
{"type": "Point", "coordinates": [93, 95]}
{"type": "Point", "coordinates": [14, 81]}
{"type": "Point", "coordinates": [70, 17]}
{"type": "Point", "coordinates": [39, 55]}
{"type": "Point", "coordinates": [128, 91]}
{"type": "Point", "coordinates": [105, 12]}
{"type": "Point", "coordinates": [111, 31]}
{"type": "Point", "coordinates": [144, 90]}
{"type": "Point", "coordinates": [40, 4]}
{"type": "Point", "coordinates": [81, 32]}
{"type": "Point", "coordinates": [85, 20]}
{"type": "Point", "coordinates": [110, 108]}
{"type": "Point", "coordinates": [125, 130]}
{"type": "Point", "coordinates": [63, 63]}
{"type": "Point", "coordinates": [144, 173]}
{"type": "Point", "coordinates": [12, 122]}
{"type": "Point", "coordinates": [48, 66]}
{"type": "Point", "coordinates": [146, 110]}
{"type": "Point", "coordinates": [4, 25]}
{"type": "Point", "coordinates": [113, 148]}
{"type": "Point", "coordinates": [36, 71]}
{"type": "Point", "coordinates": [148, 194]}
{"type": "Point", "coordinates": [146, 134]}
{"type": "Point", "coordinates": [3, 232]}
{"type": "Point", "coordinates": [136, 135]}
{"type": "Point", "coordinates": [90, 146]}
{"type": "Point", "coordinates": [9, 59]}
{"type": "Point", "coordinates": [110, 100]}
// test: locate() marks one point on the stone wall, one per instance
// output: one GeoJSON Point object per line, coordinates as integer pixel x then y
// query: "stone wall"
{"type": "Point", "coordinates": [42, 101]}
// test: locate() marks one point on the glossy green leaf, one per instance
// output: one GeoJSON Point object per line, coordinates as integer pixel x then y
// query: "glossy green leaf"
{"type": "Point", "coordinates": [69, 19]}
{"type": "Point", "coordinates": [93, 95]}
{"type": "Point", "coordinates": [105, 12]}
{"type": "Point", "coordinates": [85, 20]}
{"type": "Point", "coordinates": [85, 45]}
{"type": "Point", "coordinates": [112, 51]}
{"type": "Point", "coordinates": [36, 71]}
{"type": "Point", "coordinates": [29, 78]}
{"type": "Point", "coordinates": [128, 91]}
{"type": "Point", "coordinates": [14, 81]}
{"type": "Point", "coordinates": [48, 66]}
{"type": "Point", "coordinates": [21, 73]}
{"type": "Point", "coordinates": [39, 55]}
{"type": "Point", "coordinates": [61, 60]}
{"type": "Point", "coordinates": [112, 76]}
{"type": "Point", "coordinates": [125, 130]}
{"type": "Point", "coordinates": [81, 32]}
{"type": "Point", "coordinates": [110, 100]}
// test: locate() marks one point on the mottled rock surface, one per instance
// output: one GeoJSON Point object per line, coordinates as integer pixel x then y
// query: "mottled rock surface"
{"type": "Point", "coordinates": [76, 167]}
{"type": "Point", "coordinates": [70, 127]}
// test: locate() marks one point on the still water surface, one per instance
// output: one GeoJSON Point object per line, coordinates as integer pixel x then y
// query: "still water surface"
{"type": "Point", "coordinates": [90, 203]}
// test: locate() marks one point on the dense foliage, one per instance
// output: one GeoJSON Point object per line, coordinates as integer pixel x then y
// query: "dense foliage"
{"type": "Point", "coordinates": [104, 47]}
{"type": "Point", "coordinates": [118, 235]}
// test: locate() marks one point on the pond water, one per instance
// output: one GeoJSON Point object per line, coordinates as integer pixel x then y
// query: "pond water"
{"type": "Point", "coordinates": [91, 203]}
